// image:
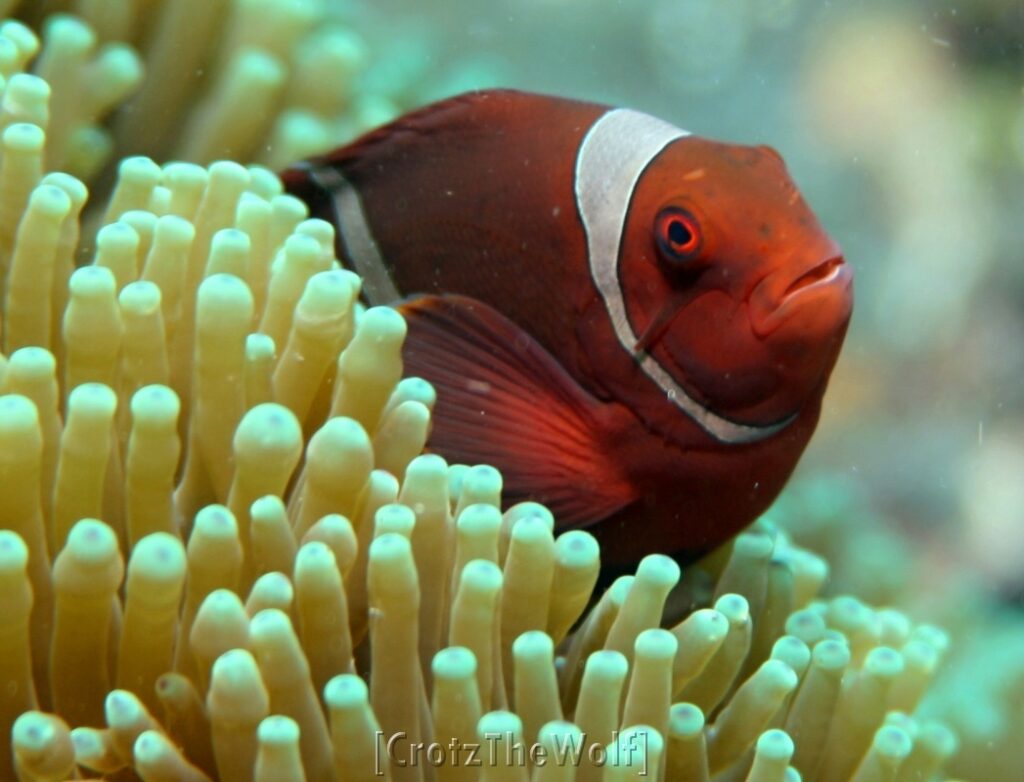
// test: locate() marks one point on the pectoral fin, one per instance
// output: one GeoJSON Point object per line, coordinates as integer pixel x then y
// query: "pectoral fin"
{"type": "Point", "coordinates": [503, 400]}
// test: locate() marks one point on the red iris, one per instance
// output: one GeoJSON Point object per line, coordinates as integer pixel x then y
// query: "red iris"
{"type": "Point", "coordinates": [678, 235]}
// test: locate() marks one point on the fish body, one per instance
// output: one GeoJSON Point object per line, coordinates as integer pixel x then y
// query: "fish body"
{"type": "Point", "coordinates": [635, 324]}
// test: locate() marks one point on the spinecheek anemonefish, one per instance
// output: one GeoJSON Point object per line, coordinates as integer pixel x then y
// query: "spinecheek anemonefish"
{"type": "Point", "coordinates": [634, 324]}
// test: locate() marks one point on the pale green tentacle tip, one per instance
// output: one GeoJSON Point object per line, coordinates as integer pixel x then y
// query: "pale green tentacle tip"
{"type": "Point", "coordinates": [142, 221]}
{"type": "Point", "coordinates": [94, 401]}
{"type": "Point", "coordinates": [89, 746]}
{"type": "Point", "coordinates": [846, 613]}
{"type": "Point", "coordinates": [530, 531]}
{"type": "Point", "coordinates": [312, 556]}
{"type": "Point", "coordinates": [383, 326]}
{"type": "Point", "coordinates": [32, 361]}
{"type": "Point", "coordinates": [91, 542]}
{"type": "Point", "coordinates": [259, 346]}
{"type": "Point", "coordinates": [24, 137]}
{"type": "Point", "coordinates": [18, 416]}
{"type": "Point", "coordinates": [920, 655]}
{"type": "Point", "coordinates": [606, 665]}
{"type": "Point", "coordinates": [139, 170]}
{"type": "Point", "coordinates": [140, 297]}
{"type": "Point", "coordinates": [792, 651]}
{"type": "Point", "coordinates": [33, 731]}
{"type": "Point", "coordinates": [328, 295]}
{"type": "Point", "coordinates": [118, 237]}
{"type": "Point", "coordinates": [884, 662]}
{"type": "Point", "coordinates": [933, 635]}
{"type": "Point", "coordinates": [264, 184]}
{"type": "Point", "coordinates": [342, 45]}
{"type": "Point", "coordinates": [68, 33]}
{"type": "Point", "coordinates": [480, 518]}
{"type": "Point", "coordinates": [482, 477]}
{"type": "Point", "coordinates": [268, 427]}
{"type": "Point", "coordinates": [753, 545]}
{"type": "Point", "coordinates": [533, 645]}
{"type": "Point", "coordinates": [232, 675]}
{"type": "Point", "coordinates": [482, 575]}
{"type": "Point", "coordinates": [775, 745]}
{"type": "Point", "coordinates": [774, 677]}
{"type": "Point", "coordinates": [22, 36]}
{"type": "Point", "coordinates": [619, 590]}
{"type": "Point", "coordinates": [560, 734]}
{"type": "Point", "coordinates": [415, 389]}
{"type": "Point", "coordinates": [522, 510]}
{"type": "Point", "coordinates": [346, 691]}
{"type": "Point", "coordinates": [656, 644]}
{"type": "Point", "coordinates": [222, 295]}
{"type": "Point", "coordinates": [454, 663]}
{"type": "Point", "coordinates": [637, 749]}
{"type": "Point", "coordinates": [121, 708]}
{"type": "Point", "coordinates": [807, 625]}
{"type": "Point", "coordinates": [152, 748]}
{"type": "Point", "coordinates": [117, 72]}
{"type": "Point", "coordinates": [734, 607]}
{"type": "Point", "coordinates": [892, 744]}
{"type": "Point", "coordinates": [154, 404]}
{"type": "Point", "coordinates": [270, 628]}
{"type": "Point", "coordinates": [92, 283]}
{"type": "Point", "coordinates": [503, 724]}
{"type": "Point", "coordinates": [685, 721]}
{"type": "Point", "coordinates": [278, 729]}
{"type": "Point", "coordinates": [25, 91]}
{"type": "Point", "coordinates": [50, 201]}
{"type": "Point", "coordinates": [340, 437]}
{"type": "Point", "coordinates": [13, 552]}
{"type": "Point", "coordinates": [577, 549]}
{"type": "Point", "coordinates": [228, 173]}
{"type": "Point", "coordinates": [709, 625]}
{"type": "Point", "coordinates": [392, 569]}
{"type": "Point", "coordinates": [426, 469]}
{"type": "Point", "coordinates": [256, 70]}
{"type": "Point", "coordinates": [658, 570]}
{"type": "Point", "coordinates": [159, 555]}
{"type": "Point", "coordinates": [394, 518]}
{"type": "Point", "coordinates": [214, 521]}
{"type": "Point", "coordinates": [180, 175]}
{"type": "Point", "coordinates": [938, 738]}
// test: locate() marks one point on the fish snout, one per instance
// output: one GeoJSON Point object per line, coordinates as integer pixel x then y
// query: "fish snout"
{"type": "Point", "coordinates": [810, 302]}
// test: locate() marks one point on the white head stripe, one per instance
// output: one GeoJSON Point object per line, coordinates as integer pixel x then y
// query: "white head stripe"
{"type": "Point", "coordinates": [612, 156]}
{"type": "Point", "coordinates": [355, 232]}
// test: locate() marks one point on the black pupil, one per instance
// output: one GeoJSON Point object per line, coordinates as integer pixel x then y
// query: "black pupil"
{"type": "Point", "coordinates": [678, 233]}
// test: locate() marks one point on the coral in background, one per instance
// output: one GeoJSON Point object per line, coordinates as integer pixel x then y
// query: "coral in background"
{"type": "Point", "coordinates": [241, 566]}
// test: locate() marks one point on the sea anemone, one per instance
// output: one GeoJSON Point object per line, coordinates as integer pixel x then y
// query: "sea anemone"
{"type": "Point", "coordinates": [224, 554]}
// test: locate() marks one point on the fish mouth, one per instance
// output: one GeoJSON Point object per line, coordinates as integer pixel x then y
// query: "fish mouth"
{"type": "Point", "coordinates": [821, 293]}
{"type": "Point", "coordinates": [824, 272]}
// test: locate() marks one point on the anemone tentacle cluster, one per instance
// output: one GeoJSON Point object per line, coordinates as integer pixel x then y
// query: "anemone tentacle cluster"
{"type": "Point", "coordinates": [271, 81]}
{"type": "Point", "coordinates": [223, 554]}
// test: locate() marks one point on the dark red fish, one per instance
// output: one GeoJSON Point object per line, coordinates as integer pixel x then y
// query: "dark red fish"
{"type": "Point", "coordinates": [636, 325]}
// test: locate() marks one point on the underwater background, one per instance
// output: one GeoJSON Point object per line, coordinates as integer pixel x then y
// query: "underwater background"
{"type": "Point", "coordinates": [903, 125]}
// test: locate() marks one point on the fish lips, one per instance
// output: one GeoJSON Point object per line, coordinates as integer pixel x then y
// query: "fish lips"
{"type": "Point", "coordinates": [810, 304]}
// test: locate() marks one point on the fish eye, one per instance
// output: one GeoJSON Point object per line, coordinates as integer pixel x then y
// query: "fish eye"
{"type": "Point", "coordinates": [677, 234]}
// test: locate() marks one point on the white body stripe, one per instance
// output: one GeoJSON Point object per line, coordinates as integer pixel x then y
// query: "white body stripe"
{"type": "Point", "coordinates": [357, 236]}
{"type": "Point", "coordinates": [613, 155]}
